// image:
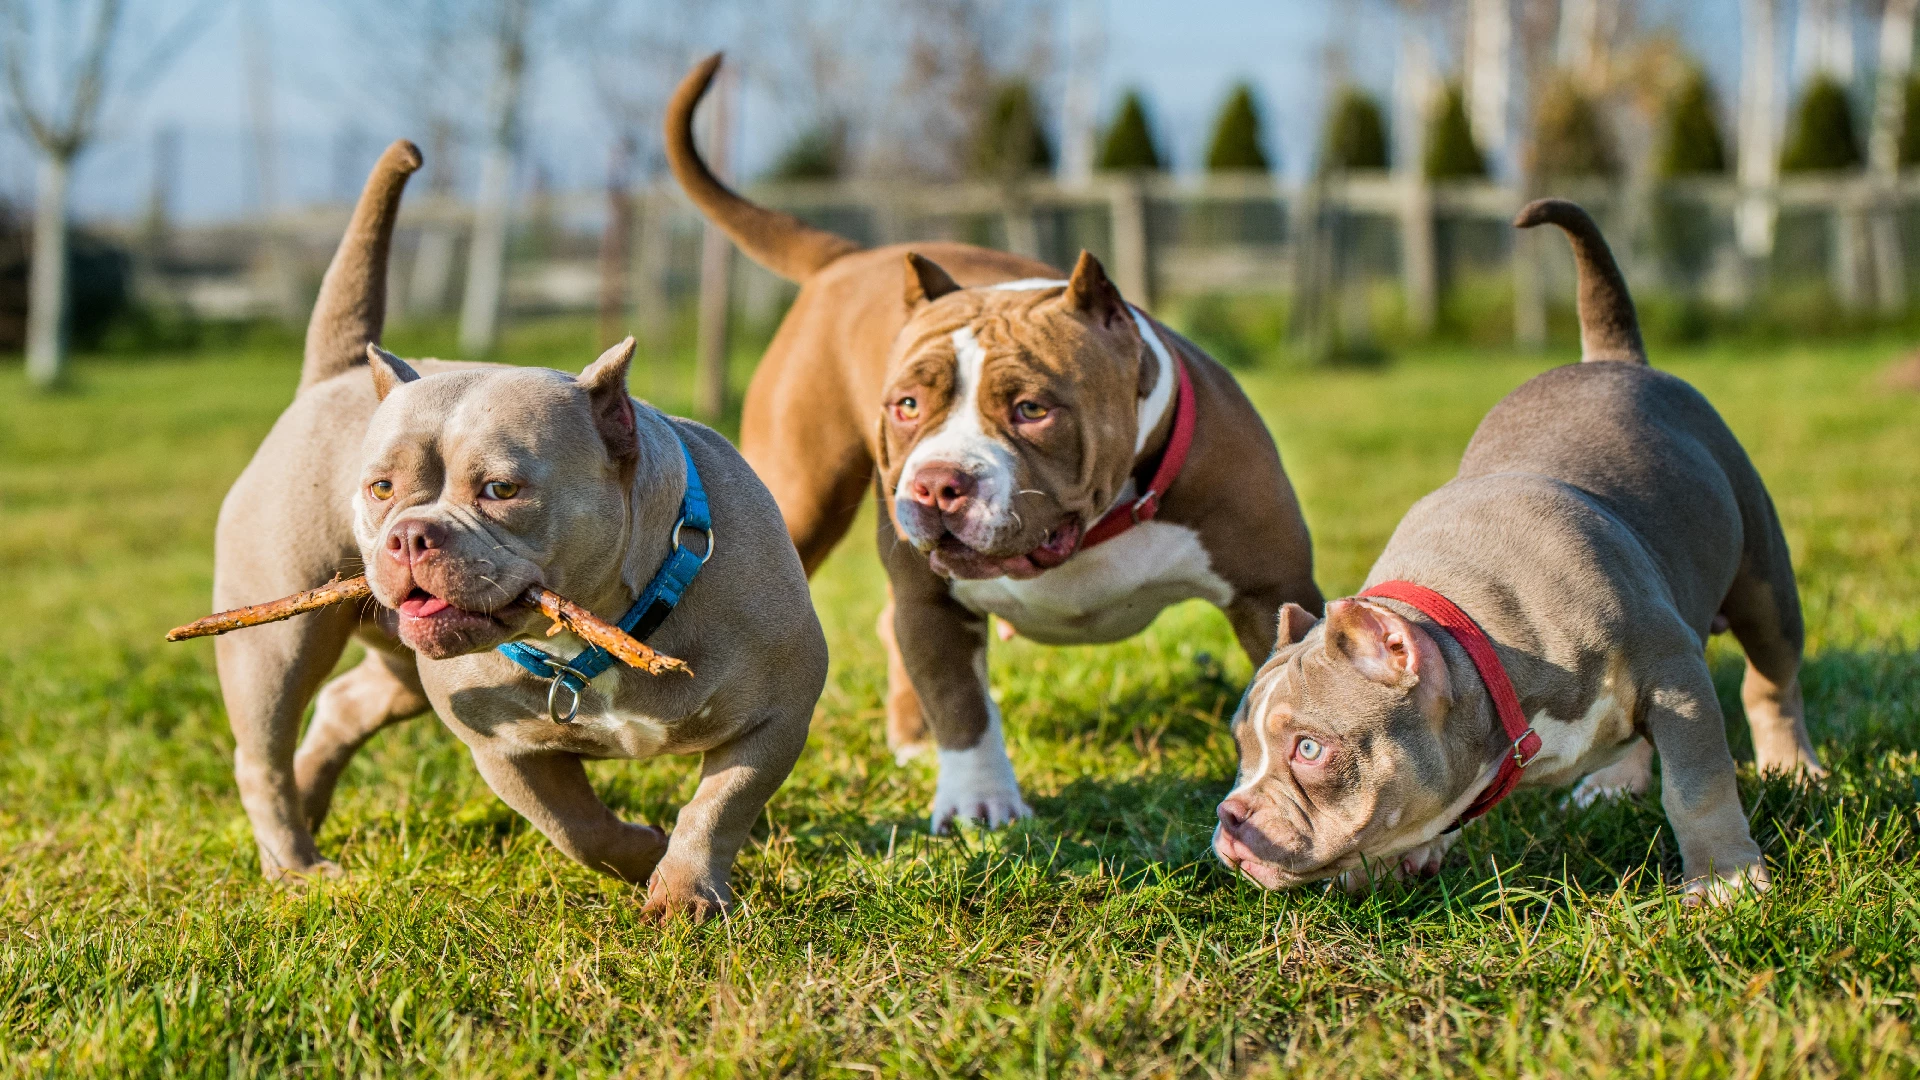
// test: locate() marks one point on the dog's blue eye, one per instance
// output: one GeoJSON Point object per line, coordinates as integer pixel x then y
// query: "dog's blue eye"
{"type": "Point", "coordinates": [499, 489]}
{"type": "Point", "coordinates": [1308, 750]}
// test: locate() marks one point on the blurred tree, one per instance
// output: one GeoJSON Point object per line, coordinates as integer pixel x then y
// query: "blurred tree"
{"type": "Point", "coordinates": [1129, 145]}
{"type": "Point", "coordinates": [64, 63]}
{"type": "Point", "coordinates": [1690, 142]}
{"type": "Point", "coordinates": [818, 153]}
{"type": "Point", "coordinates": [1910, 126]}
{"type": "Point", "coordinates": [1356, 133]}
{"type": "Point", "coordinates": [1451, 153]}
{"type": "Point", "coordinates": [1570, 138]}
{"type": "Point", "coordinates": [1237, 144]}
{"type": "Point", "coordinates": [1823, 137]}
{"type": "Point", "coordinates": [1009, 140]}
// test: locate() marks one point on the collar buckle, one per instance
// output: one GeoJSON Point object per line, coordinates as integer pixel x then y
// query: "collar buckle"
{"type": "Point", "coordinates": [1521, 759]}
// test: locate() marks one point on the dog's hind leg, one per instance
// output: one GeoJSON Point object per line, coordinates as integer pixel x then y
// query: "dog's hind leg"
{"type": "Point", "coordinates": [1764, 616]}
{"type": "Point", "coordinates": [267, 676]}
{"type": "Point", "coordinates": [1762, 608]}
{"type": "Point", "coordinates": [383, 689]}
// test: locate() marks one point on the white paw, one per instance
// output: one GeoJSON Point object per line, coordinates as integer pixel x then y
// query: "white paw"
{"type": "Point", "coordinates": [1716, 888]}
{"type": "Point", "coordinates": [978, 784]}
{"type": "Point", "coordinates": [1425, 860]}
{"type": "Point", "coordinates": [1628, 777]}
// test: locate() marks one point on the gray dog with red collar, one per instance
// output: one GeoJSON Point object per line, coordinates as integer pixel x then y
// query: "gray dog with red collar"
{"type": "Point", "coordinates": [1603, 523]}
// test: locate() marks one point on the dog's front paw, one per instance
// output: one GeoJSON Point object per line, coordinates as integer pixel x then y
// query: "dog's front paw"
{"type": "Point", "coordinates": [1425, 861]}
{"type": "Point", "coordinates": [319, 870]}
{"type": "Point", "coordinates": [992, 807]}
{"type": "Point", "coordinates": [1716, 888]}
{"type": "Point", "coordinates": [977, 784]}
{"type": "Point", "coordinates": [1628, 777]}
{"type": "Point", "coordinates": [672, 895]}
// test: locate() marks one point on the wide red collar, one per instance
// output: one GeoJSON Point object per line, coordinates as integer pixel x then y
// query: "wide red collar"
{"type": "Point", "coordinates": [1173, 458]}
{"type": "Point", "coordinates": [1523, 742]}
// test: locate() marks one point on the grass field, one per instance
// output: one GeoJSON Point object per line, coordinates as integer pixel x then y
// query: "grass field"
{"type": "Point", "coordinates": [136, 935]}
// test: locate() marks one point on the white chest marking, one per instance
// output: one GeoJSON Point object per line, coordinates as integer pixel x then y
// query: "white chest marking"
{"type": "Point", "coordinates": [1105, 593]}
{"type": "Point", "coordinates": [1570, 750]}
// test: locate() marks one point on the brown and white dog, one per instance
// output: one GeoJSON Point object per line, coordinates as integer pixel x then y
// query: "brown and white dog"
{"type": "Point", "coordinates": [456, 486]}
{"type": "Point", "coordinates": [1604, 522]}
{"type": "Point", "coordinates": [1006, 411]}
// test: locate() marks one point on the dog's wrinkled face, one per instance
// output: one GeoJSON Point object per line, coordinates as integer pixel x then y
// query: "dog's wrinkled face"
{"type": "Point", "coordinates": [476, 484]}
{"type": "Point", "coordinates": [1011, 419]}
{"type": "Point", "coordinates": [1352, 749]}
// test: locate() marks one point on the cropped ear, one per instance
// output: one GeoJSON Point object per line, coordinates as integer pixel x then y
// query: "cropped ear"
{"type": "Point", "coordinates": [1295, 621]}
{"type": "Point", "coordinates": [605, 381]}
{"type": "Point", "coordinates": [1385, 647]}
{"type": "Point", "coordinates": [388, 370]}
{"type": "Point", "coordinates": [926, 281]}
{"type": "Point", "coordinates": [1091, 294]}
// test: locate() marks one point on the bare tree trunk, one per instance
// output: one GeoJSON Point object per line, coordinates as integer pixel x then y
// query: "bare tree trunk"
{"type": "Point", "coordinates": [1086, 51]}
{"type": "Point", "coordinates": [487, 256]}
{"type": "Point", "coordinates": [47, 289]}
{"type": "Point", "coordinates": [1883, 153]}
{"type": "Point", "coordinates": [1419, 262]}
{"type": "Point", "coordinates": [652, 307]}
{"type": "Point", "coordinates": [1489, 71]}
{"type": "Point", "coordinates": [716, 272]}
{"type": "Point", "coordinates": [613, 246]}
{"type": "Point", "coordinates": [1759, 150]}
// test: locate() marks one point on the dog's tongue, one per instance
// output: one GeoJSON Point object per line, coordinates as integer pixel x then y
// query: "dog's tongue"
{"type": "Point", "coordinates": [420, 605]}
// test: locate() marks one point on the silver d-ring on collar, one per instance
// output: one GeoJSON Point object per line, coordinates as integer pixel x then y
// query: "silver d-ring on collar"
{"type": "Point", "coordinates": [561, 671]}
{"type": "Point", "coordinates": [681, 524]}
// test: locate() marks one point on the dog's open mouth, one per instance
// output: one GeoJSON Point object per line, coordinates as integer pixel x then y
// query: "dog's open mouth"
{"type": "Point", "coordinates": [438, 628]}
{"type": "Point", "coordinates": [952, 558]}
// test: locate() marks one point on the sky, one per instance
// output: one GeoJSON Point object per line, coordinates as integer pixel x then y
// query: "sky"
{"type": "Point", "coordinates": [1184, 54]}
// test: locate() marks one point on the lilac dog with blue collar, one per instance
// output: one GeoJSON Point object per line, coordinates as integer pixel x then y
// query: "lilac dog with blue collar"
{"type": "Point", "coordinates": [457, 486]}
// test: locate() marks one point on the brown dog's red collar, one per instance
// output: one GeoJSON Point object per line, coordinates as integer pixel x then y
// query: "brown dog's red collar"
{"type": "Point", "coordinates": [1523, 742]}
{"type": "Point", "coordinates": [1172, 459]}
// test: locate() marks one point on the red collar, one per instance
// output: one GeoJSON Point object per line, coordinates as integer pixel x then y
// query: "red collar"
{"type": "Point", "coordinates": [1523, 743]}
{"type": "Point", "coordinates": [1172, 459]}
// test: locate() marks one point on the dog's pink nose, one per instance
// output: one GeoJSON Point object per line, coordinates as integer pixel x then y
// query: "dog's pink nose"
{"type": "Point", "coordinates": [410, 541]}
{"type": "Point", "coordinates": [1234, 812]}
{"type": "Point", "coordinates": [943, 487]}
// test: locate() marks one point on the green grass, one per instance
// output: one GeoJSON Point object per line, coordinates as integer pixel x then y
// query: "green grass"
{"type": "Point", "coordinates": [137, 937]}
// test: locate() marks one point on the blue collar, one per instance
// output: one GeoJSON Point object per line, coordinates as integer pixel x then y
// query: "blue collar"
{"type": "Point", "coordinates": [656, 602]}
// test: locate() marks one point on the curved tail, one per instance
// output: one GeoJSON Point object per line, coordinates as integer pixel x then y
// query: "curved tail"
{"type": "Point", "coordinates": [1608, 328]}
{"type": "Point", "coordinates": [352, 304]}
{"type": "Point", "coordinates": [780, 242]}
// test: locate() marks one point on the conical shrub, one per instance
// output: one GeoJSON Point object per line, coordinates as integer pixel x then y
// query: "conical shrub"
{"type": "Point", "coordinates": [1450, 150]}
{"type": "Point", "coordinates": [818, 153]}
{"type": "Point", "coordinates": [1356, 133]}
{"type": "Point", "coordinates": [1128, 145]}
{"type": "Point", "coordinates": [1823, 138]}
{"type": "Point", "coordinates": [1237, 135]}
{"type": "Point", "coordinates": [1570, 137]}
{"type": "Point", "coordinates": [1910, 125]}
{"type": "Point", "coordinates": [1010, 140]}
{"type": "Point", "coordinates": [1690, 142]}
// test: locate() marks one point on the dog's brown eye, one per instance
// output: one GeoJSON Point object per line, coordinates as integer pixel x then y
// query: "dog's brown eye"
{"type": "Point", "coordinates": [1030, 410]}
{"type": "Point", "coordinates": [381, 489]}
{"type": "Point", "coordinates": [907, 409]}
{"type": "Point", "coordinates": [499, 489]}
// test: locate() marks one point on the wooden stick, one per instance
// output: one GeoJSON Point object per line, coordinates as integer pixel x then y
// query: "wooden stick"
{"type": "Point", "coordinates": [333, 592]}
{"type": "Point", "coordinates": [594, 630]}
{"type": "Point", "coordinates": [566, 615]}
